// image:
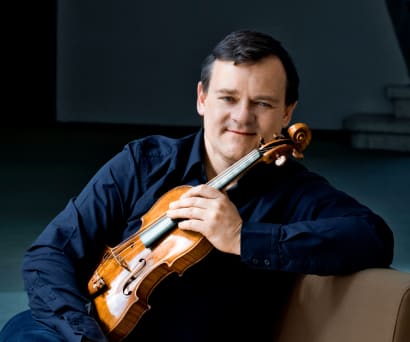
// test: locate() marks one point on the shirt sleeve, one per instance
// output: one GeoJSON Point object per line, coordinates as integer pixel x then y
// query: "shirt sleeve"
{"type": "Point", "coordinates": [57, 266]}
{"type": "Point", "coordinates": [322, 231]}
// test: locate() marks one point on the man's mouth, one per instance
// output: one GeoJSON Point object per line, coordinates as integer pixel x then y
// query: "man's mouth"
{"type": "Point", "coordinates": [241, 132]}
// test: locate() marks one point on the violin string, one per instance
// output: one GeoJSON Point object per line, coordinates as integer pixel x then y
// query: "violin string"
{"type": "Point", "coordinates": [120, 252]}
{"type": "Point", "coordinates": [246, 160]}
{"type": "Point", "coordinates": [233, 169]}
{"type": "Point", "coordinates": [136, 245]}
{"type": "Point", "coordinates": [123, 246]}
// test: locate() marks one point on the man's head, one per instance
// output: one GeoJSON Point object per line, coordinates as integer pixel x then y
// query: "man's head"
{"type": "Point", "coordinates": [250, 47]}
{"type": "Point", "coordinates": [248, 91]}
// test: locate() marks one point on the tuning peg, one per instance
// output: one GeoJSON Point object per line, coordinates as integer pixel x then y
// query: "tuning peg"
{"type": "Point", "coordinates": [296, 154]}
{"type": "Point", "coordinates": [280, 160]}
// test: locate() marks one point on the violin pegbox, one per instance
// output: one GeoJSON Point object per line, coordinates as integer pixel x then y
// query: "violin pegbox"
{"type": "Point", "coordinates": [278, 149]}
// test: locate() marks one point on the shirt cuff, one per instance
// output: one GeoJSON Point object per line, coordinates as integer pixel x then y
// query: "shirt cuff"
{"type": "Point", "coordinates": [259, 245]}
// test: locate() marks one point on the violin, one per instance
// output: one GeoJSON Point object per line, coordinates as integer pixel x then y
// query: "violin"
{"type": "Point", "coordinates": [128, 273]}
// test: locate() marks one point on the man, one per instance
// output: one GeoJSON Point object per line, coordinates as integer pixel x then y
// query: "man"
{"type": "Point", "coordinates": [274, 223]}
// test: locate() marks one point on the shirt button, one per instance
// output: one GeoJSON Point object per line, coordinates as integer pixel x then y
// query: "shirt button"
{"type": "Point", "coordinates": [266, 262]}
{"type": "Point", "coordinates": [255, 261]}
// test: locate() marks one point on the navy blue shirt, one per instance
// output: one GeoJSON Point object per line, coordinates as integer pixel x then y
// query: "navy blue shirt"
{"type": "Point", "coordinates": [294, 222]}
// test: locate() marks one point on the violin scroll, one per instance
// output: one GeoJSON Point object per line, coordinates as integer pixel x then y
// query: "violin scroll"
{"type": "Point", "coordinates": [277, 150]}
{"type": "Point", "coordinates": [301, 136]}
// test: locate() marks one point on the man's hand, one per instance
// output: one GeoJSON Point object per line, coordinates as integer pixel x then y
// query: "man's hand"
{"type": "Point", "coordinates": [210, 212]}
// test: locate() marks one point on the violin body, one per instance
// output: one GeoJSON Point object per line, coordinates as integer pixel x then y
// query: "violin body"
{"type": "Point", "coordinates": [128, 273]}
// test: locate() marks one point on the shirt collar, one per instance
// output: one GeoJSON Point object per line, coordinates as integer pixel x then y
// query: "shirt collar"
{"type": "Point", "coordinates": [195, 159]}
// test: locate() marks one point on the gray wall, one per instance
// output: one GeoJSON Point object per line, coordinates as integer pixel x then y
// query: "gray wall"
{"type": "Point", "coordinates": [138, 62]}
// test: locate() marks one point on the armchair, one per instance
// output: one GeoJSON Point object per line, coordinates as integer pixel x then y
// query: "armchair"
{"type": "Point", "coordinates": [372, 305]}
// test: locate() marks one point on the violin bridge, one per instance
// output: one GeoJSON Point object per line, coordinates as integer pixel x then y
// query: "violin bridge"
{"type": "Point", "coordinates": [120, 261]}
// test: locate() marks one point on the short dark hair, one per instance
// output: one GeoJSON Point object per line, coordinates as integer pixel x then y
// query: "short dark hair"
{"type": "Point", "coordinates": [247, 46]}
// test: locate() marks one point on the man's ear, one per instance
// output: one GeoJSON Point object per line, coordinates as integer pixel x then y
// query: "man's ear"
{"type": "Point", "coordinates": [200, 99]}
{"type": "Point", "coordinates": [287, 116]}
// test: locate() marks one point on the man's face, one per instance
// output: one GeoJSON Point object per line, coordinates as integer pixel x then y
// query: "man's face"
{"type": "Point", "coordinates": [243, 103]}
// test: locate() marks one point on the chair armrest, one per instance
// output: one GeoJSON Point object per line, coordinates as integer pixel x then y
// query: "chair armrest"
{"type": "Point", "coordinates": [370, 305]}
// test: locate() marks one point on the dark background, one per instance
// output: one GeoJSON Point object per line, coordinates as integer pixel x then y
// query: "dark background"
{"type": "Point", "coordinates": [89, 61]}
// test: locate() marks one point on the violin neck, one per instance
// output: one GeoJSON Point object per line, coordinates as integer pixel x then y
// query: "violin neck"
{"type": "Point", "coordinates": [164, 225]}
{"type": "Point", "coordinates": [236, 170]}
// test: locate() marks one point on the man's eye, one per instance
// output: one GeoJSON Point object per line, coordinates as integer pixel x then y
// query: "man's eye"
{"type": "Point", "coordinates": [229, 99]}
{"type": "Point", "coordinates": [264, 104]}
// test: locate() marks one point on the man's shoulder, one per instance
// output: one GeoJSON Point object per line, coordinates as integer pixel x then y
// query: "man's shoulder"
{"type": "Point", "coordinates": [160, 145]}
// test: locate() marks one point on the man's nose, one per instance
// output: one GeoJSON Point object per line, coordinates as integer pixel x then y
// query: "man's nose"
{"type": "Point", "coordinates": [243, 112]}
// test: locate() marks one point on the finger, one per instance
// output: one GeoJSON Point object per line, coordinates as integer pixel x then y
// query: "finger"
{"type": "Point", "coordinates": [202, 190]}
{"type": "Point", "coordinates": [194, 225]}
{"type": "Point", "coordinates": [186, 213]}
{"type": "Point", "coordinates": [187, 202]}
